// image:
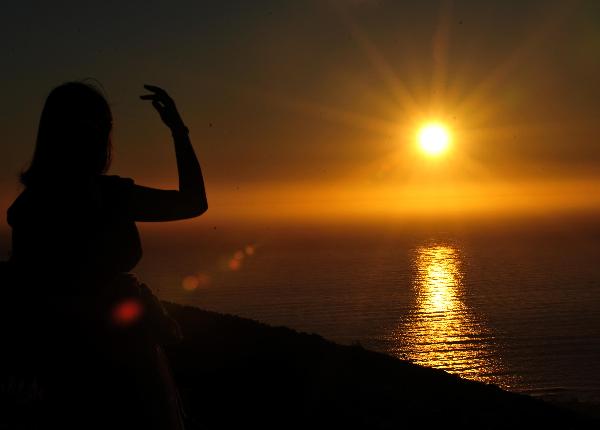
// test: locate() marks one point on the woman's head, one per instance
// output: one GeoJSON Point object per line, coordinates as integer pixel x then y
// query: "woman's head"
{"type": "Point", "coordinates": [73, 136]}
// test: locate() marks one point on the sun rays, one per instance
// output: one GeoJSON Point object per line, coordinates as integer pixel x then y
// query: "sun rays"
{"type": "Point", "coordinates": [447, 99]}
{"type": "Point", "coordinates": [382, 101]}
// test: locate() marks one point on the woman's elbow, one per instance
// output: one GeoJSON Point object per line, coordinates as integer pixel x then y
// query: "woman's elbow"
{"type": "Point", "coordinates": [191, 204]}
{"type": "Point", "coordinates": [200, 210]}
{"type": "Point", "coordinates": [197, 208]}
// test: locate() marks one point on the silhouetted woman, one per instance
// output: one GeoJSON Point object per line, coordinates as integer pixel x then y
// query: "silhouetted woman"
{"type": "Point", "coordinates": [93, 331]}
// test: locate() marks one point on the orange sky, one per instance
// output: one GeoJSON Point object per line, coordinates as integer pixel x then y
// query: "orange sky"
{"type": "Point", "coordinates": [309, 110]}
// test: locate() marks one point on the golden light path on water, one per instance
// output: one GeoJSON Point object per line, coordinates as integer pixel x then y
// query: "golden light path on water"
{"type": "Point", "coordinates": [441, 331]}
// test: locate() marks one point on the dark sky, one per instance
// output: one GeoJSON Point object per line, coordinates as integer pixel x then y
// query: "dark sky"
{"type": "Point", "coordinates": [310, 107]}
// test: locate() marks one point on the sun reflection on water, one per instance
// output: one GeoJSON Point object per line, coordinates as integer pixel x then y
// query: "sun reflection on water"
{"type": "Point", "coordinates": [441, 331]}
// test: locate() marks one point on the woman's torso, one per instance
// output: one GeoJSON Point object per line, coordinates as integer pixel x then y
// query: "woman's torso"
{"type": "Point", "coordinates": [81, 231]}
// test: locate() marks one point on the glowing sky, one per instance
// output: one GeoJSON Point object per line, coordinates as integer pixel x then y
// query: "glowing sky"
{"type": "Point", "coordinates": [310, 108]}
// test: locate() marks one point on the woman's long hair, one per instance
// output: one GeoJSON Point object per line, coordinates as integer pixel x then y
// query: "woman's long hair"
{"type": "Point", "coordinates": [73, 139]}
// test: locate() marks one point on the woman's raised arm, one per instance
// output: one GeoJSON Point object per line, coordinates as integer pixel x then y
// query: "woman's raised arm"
{"type": "Point", "coordinates": [151, 204]}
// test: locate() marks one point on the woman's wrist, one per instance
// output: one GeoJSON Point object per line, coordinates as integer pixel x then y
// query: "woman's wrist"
{"type": "Point", "coordinates": [180, 130]}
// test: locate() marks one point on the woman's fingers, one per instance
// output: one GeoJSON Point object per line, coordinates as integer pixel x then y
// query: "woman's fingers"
{"type": "Point", "coordinates": [162, 97]}
{"type": "Point", "coordinates": [154, 88]}
{"type": "Point", "coordinates": [164, 104]}
{"type": "Point", "coordinates": [158, 91]}
{"type": "Point", "coordinates": [159, 107]}
{"type": "Point", "coordinates": [154, 98]}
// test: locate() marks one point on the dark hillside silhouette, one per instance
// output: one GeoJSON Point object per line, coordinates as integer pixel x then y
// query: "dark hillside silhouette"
{"type": "Point", "coordinates": [237, 373]}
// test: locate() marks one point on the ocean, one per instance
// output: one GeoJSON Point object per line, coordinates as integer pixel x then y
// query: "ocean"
{"type": "Point", "coordinates": [516, 306]}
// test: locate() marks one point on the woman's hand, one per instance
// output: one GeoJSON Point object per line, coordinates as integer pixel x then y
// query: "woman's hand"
{"type": "Point", "coordinates": [166, 108]}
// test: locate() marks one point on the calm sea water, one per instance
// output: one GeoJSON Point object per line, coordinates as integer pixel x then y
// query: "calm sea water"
{"type": "Point", "coordinates": [519, 308]}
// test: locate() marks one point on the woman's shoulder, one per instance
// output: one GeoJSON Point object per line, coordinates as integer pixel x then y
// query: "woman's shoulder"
{"type": "Point", "coordinates": [116, 181]}
{"type": "Point", "coordinates": [116, 192]}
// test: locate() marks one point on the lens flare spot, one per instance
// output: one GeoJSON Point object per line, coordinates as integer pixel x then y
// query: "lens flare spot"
{"type": "Point", "coordinates": [190, 283]}
{"type": "Point", "coordinates": [195, 282]}
{"type": "Point", "coordinates": [127, 312]}
{"type": "Point", "coordinates": [234, 264]}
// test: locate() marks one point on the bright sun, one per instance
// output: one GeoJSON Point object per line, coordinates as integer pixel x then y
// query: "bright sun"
{"type": "Point", "coordinates": [433, 138]}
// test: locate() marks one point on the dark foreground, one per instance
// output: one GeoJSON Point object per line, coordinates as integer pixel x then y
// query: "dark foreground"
{"type": "Point", "coordinates": [237, 373]}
